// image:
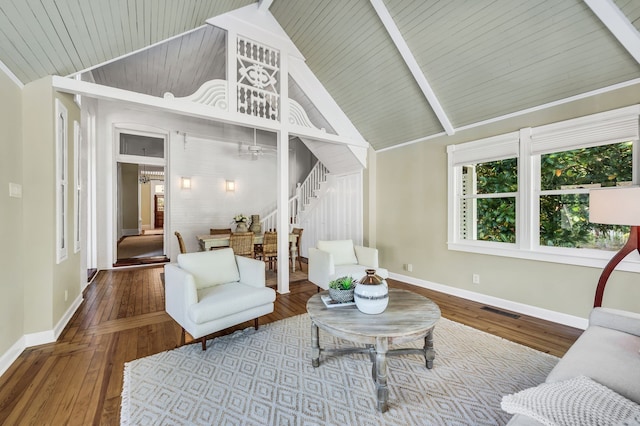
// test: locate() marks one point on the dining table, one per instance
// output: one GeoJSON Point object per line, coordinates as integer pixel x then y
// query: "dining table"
{"type": "Point", "coordinates": [208, 242]}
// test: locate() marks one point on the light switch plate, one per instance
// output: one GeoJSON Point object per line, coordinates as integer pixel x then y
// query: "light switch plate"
{"type": "Point", "coordinates": [15, 190]}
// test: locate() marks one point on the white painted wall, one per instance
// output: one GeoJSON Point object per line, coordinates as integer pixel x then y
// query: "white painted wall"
{"type": "Point", "coordinates": [209, 163]}
{"type": "Point", "coordinates": [337, 214]}
{"type": "Point", "coordinates": [209, 156]}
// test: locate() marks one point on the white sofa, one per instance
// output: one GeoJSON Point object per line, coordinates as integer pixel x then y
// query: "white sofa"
{"type": "Point", "coordinates": [209, 291]}
{"type": "Point", "coordinates": [607, 352]}
{"type": "Point", "coordinates": [338, 258]}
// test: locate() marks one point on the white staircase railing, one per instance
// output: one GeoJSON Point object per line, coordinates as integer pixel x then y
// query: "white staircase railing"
{"type": "Point", "coordinates": [270, 221]}
{"type": "Point", "coordinates": [305, 191]}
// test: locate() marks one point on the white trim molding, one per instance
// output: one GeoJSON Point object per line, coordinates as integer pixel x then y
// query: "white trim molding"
{"type": "Point", "coordinates": [622, 29]}
{"type": "Point", "coordinates": [11, 75]}
{"type": "Point", "coordinates": [542, 107]}
{"type": "Point", "coordinates": [50, 336]}
{"type": "Point", "coordinates": [39, 338]}
{"type": "Point", "coordinates": [412, 64]}
{"type": "Point", "coordinates": [524, 309]}
{"type": "Point", "coordinates": [12, 354]}
{"type": "Point", "coordinates": [62, 181]}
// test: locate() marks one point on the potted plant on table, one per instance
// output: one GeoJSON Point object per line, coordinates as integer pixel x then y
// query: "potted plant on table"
{"type": "Point", "coordinates": [341, 289]}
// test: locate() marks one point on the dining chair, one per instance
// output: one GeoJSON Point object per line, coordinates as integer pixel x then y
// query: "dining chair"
{"type": "Point", "coordinates": [183, 249]}
{"type": "Point", "coordinates": [298, 232]}
{"type": "Point", "coordinates": [219, 231]}
{"type": "Point", "coordinates": [269, 252]}
{"type": "Point", "coordinates": [242, 243]}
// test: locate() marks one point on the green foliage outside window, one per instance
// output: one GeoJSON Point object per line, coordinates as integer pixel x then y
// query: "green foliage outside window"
{"type": "Point", "coordinates": [496, 217]}
{"type": "Point", "coordinates": [606, 165]}
{"type": "Point", "coordinates": [497, 176]}
{"type": "Point", "coordinates": [564, 218]}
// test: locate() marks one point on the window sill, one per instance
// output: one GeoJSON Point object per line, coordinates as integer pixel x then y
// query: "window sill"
{"type": "Point", "coordinates": [579, 257]}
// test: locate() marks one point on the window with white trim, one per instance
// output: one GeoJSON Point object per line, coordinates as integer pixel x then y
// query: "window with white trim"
{"type": "Point", "coordinates": [485, 189]}
{"type": "Point", "coordinates": [526, 194]}
{"type": "Point", "coordinates": [77, 188]}
{"type": "Point", "coordinates": [61, 181]}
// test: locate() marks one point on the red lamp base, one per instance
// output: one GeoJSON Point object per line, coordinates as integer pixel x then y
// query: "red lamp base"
{"type": "Point", "coordinates": [631, 245]}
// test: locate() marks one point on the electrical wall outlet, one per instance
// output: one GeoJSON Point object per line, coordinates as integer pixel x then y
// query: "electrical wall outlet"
{"type": "Point", "coordinates": [66, 295]}
{"type": "Point", "coordinates": [408, 267]}
{"type": "Point", "coordinates": [475, 278]}
{"type": "Point", "coordinates": [15, 190]}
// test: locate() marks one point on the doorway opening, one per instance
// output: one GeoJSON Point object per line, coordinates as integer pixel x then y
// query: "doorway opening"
{"type": "Point", "coordinates": [140, 201]}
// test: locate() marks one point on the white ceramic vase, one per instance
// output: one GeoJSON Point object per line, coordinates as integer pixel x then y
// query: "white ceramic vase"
{"type": "Point", "coordinates": [241, 227]}
{"type": "Point", "coordinates": [371, 294]}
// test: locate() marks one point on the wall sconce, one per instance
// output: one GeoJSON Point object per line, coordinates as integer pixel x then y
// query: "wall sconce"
{"type": "Point", "coordinates": [185, 183]}
{"type": "Point", "coordinates": [230, 186]}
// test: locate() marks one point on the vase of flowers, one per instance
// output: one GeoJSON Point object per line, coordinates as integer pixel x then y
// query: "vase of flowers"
{"type": "Point", "coordinates": [241, 222]}
{"type": "Point", "coordinates": [341, 289]}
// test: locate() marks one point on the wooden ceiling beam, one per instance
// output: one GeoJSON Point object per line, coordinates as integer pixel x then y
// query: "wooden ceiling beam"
{"type": "Point", "coordinates": [264, 5]}
{"type": "Point", "coordinates": [410, 60]}
{"type": "Point", "coordinates": [619, 25]}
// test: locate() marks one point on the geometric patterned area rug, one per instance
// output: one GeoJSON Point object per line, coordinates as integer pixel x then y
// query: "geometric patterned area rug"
{"type": "Point", "coordinates": [265, 377]}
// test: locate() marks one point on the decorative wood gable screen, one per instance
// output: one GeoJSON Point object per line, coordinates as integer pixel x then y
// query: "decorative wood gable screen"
{"type": "Point", "coordinates": [257, 86]}
{"type": "Point", "coordinates": [258, 79]}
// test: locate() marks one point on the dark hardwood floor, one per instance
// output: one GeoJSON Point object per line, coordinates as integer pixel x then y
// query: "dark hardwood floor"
{"type": "Point", "coordinates": [78, 379]}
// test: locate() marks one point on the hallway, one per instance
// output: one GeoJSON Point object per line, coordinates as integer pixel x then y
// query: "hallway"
{"type": "Point", "coordinates": [141, 249]}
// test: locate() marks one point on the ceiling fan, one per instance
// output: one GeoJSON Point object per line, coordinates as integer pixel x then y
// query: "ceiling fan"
{"type": "Point", "coordinates": [254, 151]}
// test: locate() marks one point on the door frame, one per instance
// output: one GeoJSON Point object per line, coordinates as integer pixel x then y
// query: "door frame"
{"type": "Point", "coordinates": [138, 130]}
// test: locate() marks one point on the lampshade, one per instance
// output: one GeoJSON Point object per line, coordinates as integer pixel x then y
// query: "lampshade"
{"type": "Point", "coordinates": [615, 206]}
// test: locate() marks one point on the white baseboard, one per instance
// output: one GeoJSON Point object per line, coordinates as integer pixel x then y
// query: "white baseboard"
{"type": "Point", "coordinates": [11, 355]}
{"type": "Point", "coordinates": [39, 338]}
{"type": "Point", "coordinates": [533, 311]}
{"type": "Point", "coordinates": [57, 330]}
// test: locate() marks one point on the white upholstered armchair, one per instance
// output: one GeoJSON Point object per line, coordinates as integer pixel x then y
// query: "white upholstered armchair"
{"type": "Point", "coordinates": [338, 258]}
{"type": "Point", "coordinates": [209, 291]}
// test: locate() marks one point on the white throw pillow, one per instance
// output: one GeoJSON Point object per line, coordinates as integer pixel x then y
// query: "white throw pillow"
{"type": "Point", "coordinates": [210, 268]}
{"type": "Point", "coordinates": [342, 251]}
{"type": "Point", "coordinates": [577, 401]}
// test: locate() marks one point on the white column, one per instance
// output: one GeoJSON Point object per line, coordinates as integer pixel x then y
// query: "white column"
{"type": "Point", "coordinates": [232, 71]}
{"type": "Point", "coordinates": [283, 180]}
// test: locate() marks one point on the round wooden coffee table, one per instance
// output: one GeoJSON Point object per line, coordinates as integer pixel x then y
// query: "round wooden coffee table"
{"type": "Point", "coordinates": [408, 317]}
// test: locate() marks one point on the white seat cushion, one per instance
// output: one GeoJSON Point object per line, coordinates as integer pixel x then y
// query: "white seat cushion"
{"type": "Point", "coordinates": [342, 251]}
{"type": "Point", "coordinates": [607, 356]}
{"type": "Point", "coordinates": [225, 299]}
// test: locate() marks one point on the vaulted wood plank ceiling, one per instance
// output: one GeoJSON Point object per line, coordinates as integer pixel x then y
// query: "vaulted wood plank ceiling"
{"type": "Point", "coordinates": [483, 59]}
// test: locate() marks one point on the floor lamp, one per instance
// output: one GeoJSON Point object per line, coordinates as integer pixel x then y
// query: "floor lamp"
{"type": "Point", "coordinates": [615, 206]}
